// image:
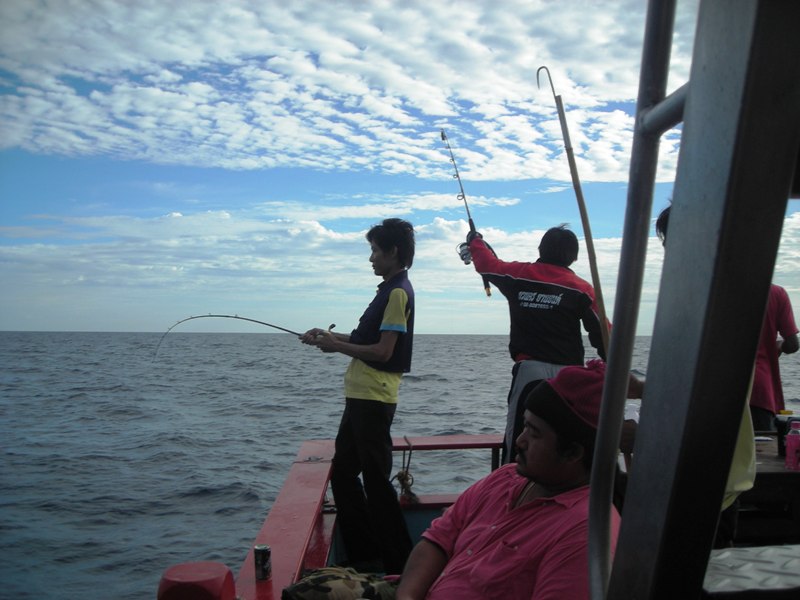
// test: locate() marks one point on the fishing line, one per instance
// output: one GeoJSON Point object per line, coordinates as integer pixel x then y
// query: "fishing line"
{"type": "Point", "coordinates": [463, 249]}
{"type": "Point", "coordinates": [225, 317]}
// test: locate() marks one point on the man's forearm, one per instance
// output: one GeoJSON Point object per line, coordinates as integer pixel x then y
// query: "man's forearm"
{"type": "Point", "coordinates": [424, 565]}
{"type": "Point", "coordinates": [380, 352]}
{"type": "Point", "coordinates": [482, 258]}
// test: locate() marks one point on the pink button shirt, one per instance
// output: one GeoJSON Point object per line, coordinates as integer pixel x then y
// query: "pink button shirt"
{"type": "Point", "coordinates": [536, 551]}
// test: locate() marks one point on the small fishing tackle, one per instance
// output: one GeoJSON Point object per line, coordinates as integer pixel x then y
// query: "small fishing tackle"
{"type": "Point", "coordinates": [225, 317]}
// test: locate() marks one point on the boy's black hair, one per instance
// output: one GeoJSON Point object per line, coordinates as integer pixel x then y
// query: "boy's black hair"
{"type": "Point", "coordinates": [393, 233]}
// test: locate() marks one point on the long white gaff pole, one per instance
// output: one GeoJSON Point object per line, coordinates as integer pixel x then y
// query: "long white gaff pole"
{"type": "Point", "coordinates": [587, 229]}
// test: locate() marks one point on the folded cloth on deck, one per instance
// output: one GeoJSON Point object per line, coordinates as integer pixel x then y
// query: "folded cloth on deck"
{"type": "Point", "coordinates": [340, 583]}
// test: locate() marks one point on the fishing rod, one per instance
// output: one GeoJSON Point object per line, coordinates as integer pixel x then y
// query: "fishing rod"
{"type": "Point", "coordinates": [587, 229]}
{"type": "Point", "coordinates": [463, 249]}
{"type": "Point", "coordinates": [225, 317]}
{"type": "Point", "coordinates": [462, 195]}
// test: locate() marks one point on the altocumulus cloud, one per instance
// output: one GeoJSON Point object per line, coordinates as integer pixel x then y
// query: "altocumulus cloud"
{"type": "Point", "coordinates": [322, 87]}
{"type": "Point", "coordinates": [258, 85]}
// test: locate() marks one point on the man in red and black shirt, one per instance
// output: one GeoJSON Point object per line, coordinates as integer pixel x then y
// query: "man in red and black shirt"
{"type": "Point", "coordinates": [547, 303]}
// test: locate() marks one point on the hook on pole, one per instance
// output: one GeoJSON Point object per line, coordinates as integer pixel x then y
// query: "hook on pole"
{"type": "Point", "coordinates": [549, 78]}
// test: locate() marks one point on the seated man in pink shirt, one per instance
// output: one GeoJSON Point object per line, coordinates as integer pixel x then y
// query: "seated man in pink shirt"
{"type": "Point", "coordinates": [522, 532]}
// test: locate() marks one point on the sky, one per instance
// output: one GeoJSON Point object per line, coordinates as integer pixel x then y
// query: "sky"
{"type": "Point", "coordinates": [160, 160]}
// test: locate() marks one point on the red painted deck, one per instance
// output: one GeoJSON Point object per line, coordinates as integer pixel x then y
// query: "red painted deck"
{"type": "Point", "coordinates": [290, 524]}
{"type": "Point", "coordinates": [297, 530]}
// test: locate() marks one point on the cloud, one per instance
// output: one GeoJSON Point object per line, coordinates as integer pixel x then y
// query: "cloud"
{"type": "Point", "coordinates": [363, 207]}
{"type": "Point", "coordinates": [257, 85]}
{"type": "Point", "coordinates": [269, 260]}
{"type": "Point", "coordinates": [345, 102]}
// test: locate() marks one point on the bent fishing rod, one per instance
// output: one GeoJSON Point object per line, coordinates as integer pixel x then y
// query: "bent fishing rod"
{"type": "Point", "coordinates": [210, 316]}
{"type": "Point", "coordinates": [463, 249]}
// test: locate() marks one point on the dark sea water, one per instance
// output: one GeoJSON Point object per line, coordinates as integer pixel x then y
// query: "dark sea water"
{"type": "Point", "coordinates": [117, 464]}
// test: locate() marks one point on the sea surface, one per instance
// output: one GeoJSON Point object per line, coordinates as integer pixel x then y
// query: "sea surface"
{"type": "Point", "coordinates": [117, 462]}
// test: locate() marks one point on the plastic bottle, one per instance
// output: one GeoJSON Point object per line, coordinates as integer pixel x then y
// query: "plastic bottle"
{"type": "Point", "coordinates": [793, 447]}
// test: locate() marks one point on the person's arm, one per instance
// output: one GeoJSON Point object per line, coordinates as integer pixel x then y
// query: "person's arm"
{"type": "Point", "coordinates": [787, 328]}
{"type": "Point", "coordinates": [395, 321]}
{"type": "Point", "coordinates": [328, 341]}
{"type": "Point", "coordinates": [483, 258]}
{"type": "Point", "coordinates": [425, 563]}
{"type": "Point", "coordinates": [312, 334]}
{"type": "Point", "coordinates": [629, 426]}
{"type": "Point", "coordinates": [627, 438]}
{"type": "Point", "coordinates": [789, 345]}
{"type": "Point", "coordinates": [591, 323]}
{"type": "Point", "coordinates": [635, 387]}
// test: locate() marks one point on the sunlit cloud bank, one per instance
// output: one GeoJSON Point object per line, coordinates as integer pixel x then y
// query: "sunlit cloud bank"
{"type": "Point", "coordinates": [301, 272]}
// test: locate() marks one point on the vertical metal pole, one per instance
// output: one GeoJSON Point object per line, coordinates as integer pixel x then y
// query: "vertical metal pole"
{"type": "Point", "coordinates": [644, 160]}
{"type": "Point", "coordinates": [739, 143]}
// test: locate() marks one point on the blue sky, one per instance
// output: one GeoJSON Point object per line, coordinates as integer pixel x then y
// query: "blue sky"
{"type": "Point", "coordinates": [160, 162]}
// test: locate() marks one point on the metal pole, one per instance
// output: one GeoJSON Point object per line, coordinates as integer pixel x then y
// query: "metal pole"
{"type": "Point", "coordinates": [644, 161]}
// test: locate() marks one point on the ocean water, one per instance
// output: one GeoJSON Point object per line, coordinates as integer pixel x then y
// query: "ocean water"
{"type": "Point", "coordinates": [117, 463]}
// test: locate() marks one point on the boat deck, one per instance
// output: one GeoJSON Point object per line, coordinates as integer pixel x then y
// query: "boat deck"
{"type": "Point", "coordinates": [300, 527]}
{"type": "Point", "coordinates": [770, 512]}
{"type": "Point", "coordinates": [301, 507]}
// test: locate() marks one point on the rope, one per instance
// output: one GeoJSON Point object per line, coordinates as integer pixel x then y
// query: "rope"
{"type": "Point", "coordinates": [405, 479]}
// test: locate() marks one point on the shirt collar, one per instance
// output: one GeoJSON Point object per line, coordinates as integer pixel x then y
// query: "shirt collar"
{"type": "Point", "coordinates": [566, 499]}
{"type": "Point", "coordinates": [398, 277]}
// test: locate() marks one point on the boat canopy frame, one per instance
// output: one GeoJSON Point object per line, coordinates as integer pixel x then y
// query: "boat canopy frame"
{"type": "Point", "coordinates": [739, 151]}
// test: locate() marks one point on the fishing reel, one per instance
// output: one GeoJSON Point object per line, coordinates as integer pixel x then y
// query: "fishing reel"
{"type": "Point", "coordinates": [463, 252]}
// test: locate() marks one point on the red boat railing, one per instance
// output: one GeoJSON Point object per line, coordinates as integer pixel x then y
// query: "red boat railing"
{"type": "Point", "coordinates": [299, 530]}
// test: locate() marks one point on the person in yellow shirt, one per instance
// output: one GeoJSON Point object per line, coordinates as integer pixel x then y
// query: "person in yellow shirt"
{"type": "Point", "coordinates": [742, 474]}
{"type": "Point", "coordinates": [368, 515]}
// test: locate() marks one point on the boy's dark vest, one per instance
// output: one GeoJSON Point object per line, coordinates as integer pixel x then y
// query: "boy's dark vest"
{"type": "Point", "coordinates": [369, 326]}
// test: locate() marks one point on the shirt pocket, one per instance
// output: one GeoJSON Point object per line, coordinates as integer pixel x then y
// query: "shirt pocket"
{"type": "Point", "coordinates": [503, 571]}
